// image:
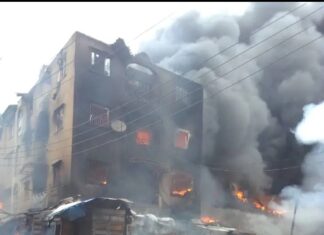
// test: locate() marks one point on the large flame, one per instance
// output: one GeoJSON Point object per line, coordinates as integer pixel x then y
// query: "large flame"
{"type": "Point", "coordinates": [262, 206]}
{"type": "Point", "coordinates": [239, 194]}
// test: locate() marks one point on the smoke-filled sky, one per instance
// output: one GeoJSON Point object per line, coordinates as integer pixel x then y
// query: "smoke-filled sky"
{"type": "Point", "coordinates": [32, 33]}
{"type": "Point", "coordinates": [248, 127]}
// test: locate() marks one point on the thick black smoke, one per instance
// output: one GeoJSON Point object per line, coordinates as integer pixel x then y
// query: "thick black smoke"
{"type": "Point", "coordinates": [247, 128]}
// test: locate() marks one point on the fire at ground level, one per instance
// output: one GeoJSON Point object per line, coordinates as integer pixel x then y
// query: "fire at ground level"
{"type": "Point", "coordinates": [116, 216]}
{"type": "Point", "coordinates": [108, 216]}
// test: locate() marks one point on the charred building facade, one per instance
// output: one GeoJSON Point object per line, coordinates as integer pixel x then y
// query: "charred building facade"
{"type": "Point", "coordinates": [103, 122]}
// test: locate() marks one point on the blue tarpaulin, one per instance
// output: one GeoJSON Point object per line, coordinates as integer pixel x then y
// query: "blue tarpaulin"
{"type": "Point", "coordinates": [76, 210]}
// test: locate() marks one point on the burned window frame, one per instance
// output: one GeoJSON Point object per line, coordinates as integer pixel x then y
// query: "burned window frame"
{"type": "Point", "coordinates": [101, 66]}
{"type": "Point", "coordinates": [59, 126]}
{"type": "Point", "coordinates": [150, 133]}
{"type": "Point", "coordinates": [178, 182]}
{"type": "Point", "coordinates": [61, 63]}
{"type": "Point", "coordinates": [178, 130]}
{"type": "Point", "coordinates": [92, 166]}
{"type": "Point", "coordinates": [92, 120]}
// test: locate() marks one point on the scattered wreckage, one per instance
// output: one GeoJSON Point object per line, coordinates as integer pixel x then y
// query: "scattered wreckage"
{"type": "Point", "coordinates": [105, 216]}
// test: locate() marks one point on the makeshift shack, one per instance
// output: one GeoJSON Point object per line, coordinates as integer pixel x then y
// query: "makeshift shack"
{"type": "Point", "coordinates": [97, 216]}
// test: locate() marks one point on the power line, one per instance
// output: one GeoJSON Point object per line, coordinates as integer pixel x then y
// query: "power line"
{"type": "Point", "coordinates": [213, 56]}
{"type": "Point", "coordinates": [210, 71]}
{"type": "Point", "coordinates": [199, 101]}
{"type": "Point", "coordinates": [192, 91]}
{"type": "Point", "coordinates": [70, 62]}
{"type": "Point", "coordinates": [235, 68]}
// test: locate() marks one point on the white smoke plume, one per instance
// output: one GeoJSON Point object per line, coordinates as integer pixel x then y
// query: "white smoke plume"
{"type": "Point", "coordinates": [309, 197]}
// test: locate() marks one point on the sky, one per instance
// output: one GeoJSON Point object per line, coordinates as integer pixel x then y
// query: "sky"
{"type": "Point", "coordinates": [31, 34]}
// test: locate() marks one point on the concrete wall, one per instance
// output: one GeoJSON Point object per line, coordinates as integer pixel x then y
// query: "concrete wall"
{"type": "Point", "coordinates": [60, 141]}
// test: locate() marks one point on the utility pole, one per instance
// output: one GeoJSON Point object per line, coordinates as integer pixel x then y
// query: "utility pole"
{"type": "Point", "coordinates": [294, 216]}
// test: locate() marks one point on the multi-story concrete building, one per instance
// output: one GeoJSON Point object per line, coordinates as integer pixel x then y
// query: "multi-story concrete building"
{"type": "Point", "coordinates": [102, 122]}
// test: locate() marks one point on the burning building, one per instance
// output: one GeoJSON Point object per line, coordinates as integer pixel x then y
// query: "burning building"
{"type": "Point", "coordinates": [103, 122]}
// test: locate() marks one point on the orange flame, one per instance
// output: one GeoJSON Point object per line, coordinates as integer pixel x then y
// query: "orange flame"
{"type": "Point", "coordinates": [208, 219]}
{"type": "Point", "coordinates": [239, 194]}
{"type": "Point", "coordinates": [260, 205]}
{"type": "Point", "coordinates": [1, 205]}
{"type": "Point", "coordinates": [181, 193]}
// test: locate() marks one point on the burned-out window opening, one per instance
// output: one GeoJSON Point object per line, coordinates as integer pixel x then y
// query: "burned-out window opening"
{"type": "Point", "coordinates": [99, 115]}
{"type": "Point", "coordinates": [57, 172]}
{"type": "Point", "coordinates": [182, 138]}
{"type": "Point", "coordinates": [61, 62]}
{"type": "Point", "coordinates": [143, 137]}
{"type": "Point", "coordinates": [42, 127]}
{"type": "Point", "coordinates": [39, 177]}
{"type": "Point", "coordinates": [94, 58]}
{"type": "Point", "coordinates": [96, 173]}
{"type": "Point", "coordinates": [107, 67]}
{"type": "Point", "coordinates": [58, 117]}
{"type": "Point", "coordinates": [100, 63]}
{"type": "Point", "coordinates": [181, 184]}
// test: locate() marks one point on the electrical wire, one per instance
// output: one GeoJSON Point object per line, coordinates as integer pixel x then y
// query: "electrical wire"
{"type": "Point", "coordinates": [203, 62]}
{"type": "Point", "coordinates": [199, 101]}
{"type": "Point", "coordinates": [253, 46]}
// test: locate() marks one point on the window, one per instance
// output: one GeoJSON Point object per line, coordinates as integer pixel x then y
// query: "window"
{"type": "Point", "coordinates": [182, 139]}
{"type": "Point", "coordinates": [143, 137]}
{"type": "Point", "coordinates": [107, 67]}
{"type": "Point", "coordinates": [100, 63]}
{"type": "Point", "coordinates": [181, 184]}
{"type": "Point", "coordinates": [58, 117]}
{"type": "Point", "coordinates": [61, 62]}
{"type": "Point", "coordinates": [94, 58]}
{"type": "Point", "coordinates": [96, 173]}
{"type": "Point", "coordinates": [57, 171]}
{"type": "Point", "coordinates": [99, 115]}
